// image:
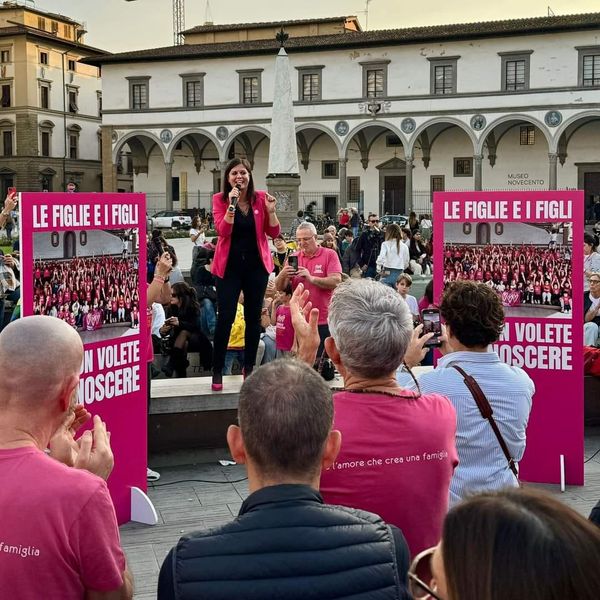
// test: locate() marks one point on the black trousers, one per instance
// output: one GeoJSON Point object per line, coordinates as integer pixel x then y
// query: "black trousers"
{"type": "Point", "coordinates": [251, 278]}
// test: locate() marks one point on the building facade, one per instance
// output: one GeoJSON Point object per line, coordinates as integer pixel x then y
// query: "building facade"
{"type": "Point", "coordinates": [50, 103]}
{"type": "Point", "coordinates": [383, 118]}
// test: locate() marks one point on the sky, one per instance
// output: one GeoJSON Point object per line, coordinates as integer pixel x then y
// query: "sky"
{"type": "Point", "coordinates": [118, 26]}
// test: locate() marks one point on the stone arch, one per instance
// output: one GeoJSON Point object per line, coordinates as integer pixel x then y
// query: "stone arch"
{"type": "Point", "coordinates": [365, 125]}
{"type": "Point", "coordinates": [243, 135]}
{"type": "Point", "coordinates": [318, 126]}
{"type": "Point", "coordinates": [507, 119]}
{"type": "Point", "coordinates": [440, 121]}
{"type": "Point", "coordinates": [578, 117]}
{"type": "Point", "coordinates": [309, 134]}
{"type": "Point", "coordinates": [130, 137]}
{"type": "Point", "coordinates": [188, 132]}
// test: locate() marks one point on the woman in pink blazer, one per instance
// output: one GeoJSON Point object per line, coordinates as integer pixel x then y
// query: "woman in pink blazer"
{"type": "Point", "coordinates": [244, 217]}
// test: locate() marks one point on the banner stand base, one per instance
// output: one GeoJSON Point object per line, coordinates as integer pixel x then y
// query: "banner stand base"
{"type": "Point", "coordinates": [142, 509]}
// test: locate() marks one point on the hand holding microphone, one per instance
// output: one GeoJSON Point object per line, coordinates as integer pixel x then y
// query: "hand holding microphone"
{"type": "Point", "coordinates": [234, 194]}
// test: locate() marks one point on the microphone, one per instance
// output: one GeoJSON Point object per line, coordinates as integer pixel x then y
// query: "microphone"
{"type": "Point", "coordinates": [234, 200]}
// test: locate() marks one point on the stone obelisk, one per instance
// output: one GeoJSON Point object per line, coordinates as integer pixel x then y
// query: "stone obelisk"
{"type": "Point", "coordinates": [283, 179]}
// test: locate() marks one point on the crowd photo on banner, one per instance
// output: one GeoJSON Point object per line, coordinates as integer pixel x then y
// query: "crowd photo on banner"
{"type": "Point", "coordinates": [96, 287]}
{"type": "Point", "coordinates": [381, 433]}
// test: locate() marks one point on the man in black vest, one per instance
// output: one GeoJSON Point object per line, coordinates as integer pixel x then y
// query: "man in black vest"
{"type": "Point", "coordinates": [286, 543]}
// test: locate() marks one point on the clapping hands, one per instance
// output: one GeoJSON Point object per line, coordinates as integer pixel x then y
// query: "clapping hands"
{"type": "Point", "coordinates": [91, 451]}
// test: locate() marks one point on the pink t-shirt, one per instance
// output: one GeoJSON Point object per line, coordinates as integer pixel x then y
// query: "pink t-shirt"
{"type": "Point", "coordinates": [58, 530]}
{"type": "Point", "coordinates": [284, 332]}
{"type": "Point", "coordinates": [397, 459]}
{"type": "Point", "coordinates": [323, 263]}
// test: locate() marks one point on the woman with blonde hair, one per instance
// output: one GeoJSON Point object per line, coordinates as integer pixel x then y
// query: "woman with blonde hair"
{"type": "Point", "coordinates": [394, 256]}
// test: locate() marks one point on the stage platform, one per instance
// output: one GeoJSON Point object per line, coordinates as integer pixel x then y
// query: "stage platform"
{"type": "Point", "coordinates": [187, 416]}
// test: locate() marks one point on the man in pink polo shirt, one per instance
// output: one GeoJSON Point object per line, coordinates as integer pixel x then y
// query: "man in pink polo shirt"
{"type": "Point", "coordinates": [58, 531]}
{"type": "Point", "coordinates": [320, 271]}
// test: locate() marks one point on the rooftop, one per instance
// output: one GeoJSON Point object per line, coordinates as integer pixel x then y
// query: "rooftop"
{"type": "Point", "coordinates": [47, 36]}
{"type": "Point", "coordinates": [210, 27]}
{"type": "Point", "coordinates": [352, 39]}
{"type": "Point", "coordinates": [37, 11]}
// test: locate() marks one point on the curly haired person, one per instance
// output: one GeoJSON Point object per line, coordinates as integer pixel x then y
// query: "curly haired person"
{"type": "Point", "coordinates": [474, 320]}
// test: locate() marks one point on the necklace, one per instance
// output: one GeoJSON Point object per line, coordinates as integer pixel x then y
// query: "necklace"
{"type": "Point", "coordinates": [244, 210]}
{"type": "Point", "coordinates": [397, 394]}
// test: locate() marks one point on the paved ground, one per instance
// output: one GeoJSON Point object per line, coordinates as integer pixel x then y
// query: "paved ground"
{"type": "Point", "coordinates": [200, 496]}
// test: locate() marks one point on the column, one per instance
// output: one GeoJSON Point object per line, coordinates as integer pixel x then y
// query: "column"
{"type": "Point", "coordinates": [169, 185]}
{"type": "Point", "coordinates": [477, 162]}
{"type": "Point", "coordinates": [408, 193]}
{"type": "Point", "coordinates": [109, 170]}
{"type": "Point", "coordinates": [222, 164]}
{"type": "Point", "coordinates": [552, 174]}
{"type": "Point", "coordinates": [343, 187]}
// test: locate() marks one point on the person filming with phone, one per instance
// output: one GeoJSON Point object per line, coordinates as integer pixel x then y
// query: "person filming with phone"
{"type": "Point", "coordinates": [474, 319]}
{"type": "Point", "coordinates": [244, 217]}
{"type": "Point", "coordinates": [318, 269]}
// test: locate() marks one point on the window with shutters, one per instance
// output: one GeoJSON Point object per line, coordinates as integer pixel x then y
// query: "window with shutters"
{"type": "Point", "coordinates": [329, 169]}
{"type": "Point", "coordinates": [250, 86]}
{"type": "Point", "coordinates": [353, 189]}
{"type": "Point", "coordinates": [443, 75]}
{"type": "Point", "coordinates": [374, 79]}
{"type": "Point", "coordinates": [515, 70]}
{"type": "Point", "coordinates": [7, 142]}
{"type": "Point", "coordinates": [139, 97]}
{"type": "Point", "coordinates": [193, 89]}
{"type": "Point", "coordinates": [588, 66]}
{"type": "Point", "coordinates": [72, 98]}
{"type": "Point", "coordinates": [6, 101]}
{"type": "Point", "coordinates": [44, 95]}
{"type": "Point", "coordinates": [527, 135]}
{"type": "Point", "coordinates": [463, 167]}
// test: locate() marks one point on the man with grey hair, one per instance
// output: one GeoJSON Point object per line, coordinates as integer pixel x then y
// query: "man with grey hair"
{"type": "Point", "coordinates": [285, 542]}
{"type": "Point", "coordinates": [319, 270]}
{"type": "Point", "coordinates": [59, 535]}
{"type": "Point", "coordinates": [399, 451]}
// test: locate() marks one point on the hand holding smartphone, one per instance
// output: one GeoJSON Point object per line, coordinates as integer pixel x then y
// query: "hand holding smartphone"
{"type": "Point", "coordinates": [293, 262]}
{"type": "Point", "coordinates": [432, 324]}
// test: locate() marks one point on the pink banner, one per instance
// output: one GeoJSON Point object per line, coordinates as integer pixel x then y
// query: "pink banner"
{"type": "Point", "coordinates": [528, 247]}
{"type": "Point", "coordinates": [83, 260]}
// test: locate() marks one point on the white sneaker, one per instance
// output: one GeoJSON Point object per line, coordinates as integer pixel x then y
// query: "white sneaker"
{"type": "Point", "coordinates": [152, 475]}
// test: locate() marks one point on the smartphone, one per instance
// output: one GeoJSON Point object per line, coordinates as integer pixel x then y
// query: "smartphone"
{"type": "Point", "coordinates": [432, 324]}
{"type": "Point", "coordinates": [12, 191]}
{"type": "Point", "coordinates": [293, 261]}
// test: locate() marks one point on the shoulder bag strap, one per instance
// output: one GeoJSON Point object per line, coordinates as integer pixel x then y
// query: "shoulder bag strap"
{"type": "Point", "coordinates": [487, 413]}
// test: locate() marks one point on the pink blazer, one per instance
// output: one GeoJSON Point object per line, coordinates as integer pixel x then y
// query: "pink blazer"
{"type": "Point", "coordinates": [224, 229]}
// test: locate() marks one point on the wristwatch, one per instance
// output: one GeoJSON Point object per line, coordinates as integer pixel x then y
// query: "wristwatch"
{"type": "Point", "coordinates": [231, 208]}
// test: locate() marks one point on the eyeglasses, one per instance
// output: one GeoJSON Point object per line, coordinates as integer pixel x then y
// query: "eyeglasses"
{"type": "Point", "coordinates": [420, 569]}
{"type": "Point", "coordinates": [375, 221]}
{"type": "Point", "coordinates": [594, 280]}
{"type": "Point", "coordinates": [305, 239]}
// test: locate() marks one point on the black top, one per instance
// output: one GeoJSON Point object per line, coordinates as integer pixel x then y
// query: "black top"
{"type": "Point", "coordinates": [244, 248]}
{"type": "Point", "coordinates": [287, 543]}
